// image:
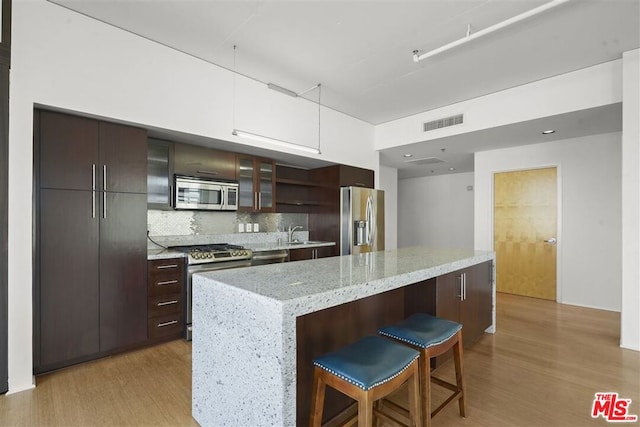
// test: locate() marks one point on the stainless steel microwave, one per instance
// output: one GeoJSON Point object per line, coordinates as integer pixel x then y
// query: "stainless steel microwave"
{"type": "Point", "coordinates": [205, 194]}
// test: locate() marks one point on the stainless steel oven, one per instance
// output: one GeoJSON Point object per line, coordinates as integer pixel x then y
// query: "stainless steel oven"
{"type": "Point", "coordinates": [214, 257]}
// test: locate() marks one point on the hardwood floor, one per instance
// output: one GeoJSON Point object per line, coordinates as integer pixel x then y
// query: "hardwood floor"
{"type": "Point", "coordinates": [541, 368]}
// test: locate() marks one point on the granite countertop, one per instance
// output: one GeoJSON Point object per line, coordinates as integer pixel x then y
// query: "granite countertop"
{"type": "Point", "coordinates": [271, 246]}
{"type": "Point", "coordinates": [307, 286]}
{"type": "Point", "coordinates": [162, 253]}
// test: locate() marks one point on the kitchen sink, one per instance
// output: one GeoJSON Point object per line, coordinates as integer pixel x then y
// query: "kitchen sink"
{"type": "Point", "coordinates": [306, 242]}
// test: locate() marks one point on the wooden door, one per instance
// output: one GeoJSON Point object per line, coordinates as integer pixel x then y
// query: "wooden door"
{"type": "Point", "coordinates": [193, 160]}
{"type": "Point", "coordinates": [475, 314]}
{"type": "Point", "coordinates": [68, 284]}
{"type": "Point", "coordinates": [123, 158]}
{"type": "Point", "coordinates": [525, 218]}
{"type": "Point", "coordinates": [68, 151]}
{"type": "Point", "coordinates": [123, 270]}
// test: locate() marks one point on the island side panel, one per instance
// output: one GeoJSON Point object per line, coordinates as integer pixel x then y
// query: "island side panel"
{"type": "Point", "coordinates": [238, 375]}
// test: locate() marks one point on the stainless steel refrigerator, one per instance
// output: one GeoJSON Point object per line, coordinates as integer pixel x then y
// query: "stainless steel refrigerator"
{"type": "Point", "coordinates": [362, 220]}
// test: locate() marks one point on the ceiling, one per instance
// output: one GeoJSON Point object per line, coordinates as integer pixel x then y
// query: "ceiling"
{"type": "Point", "coordinates": [361, 50]}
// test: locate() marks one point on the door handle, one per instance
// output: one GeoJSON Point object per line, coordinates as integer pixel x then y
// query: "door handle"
{"type": "Point", "coordinates": [551, 241]}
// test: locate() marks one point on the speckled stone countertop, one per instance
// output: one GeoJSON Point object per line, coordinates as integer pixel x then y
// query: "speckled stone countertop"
{"type": "Point", "coordinates": [272, 246]}
{"type": "Point", "coordinates": [244, 321]}
{"type": "Point", "coordinates": [161, 253]}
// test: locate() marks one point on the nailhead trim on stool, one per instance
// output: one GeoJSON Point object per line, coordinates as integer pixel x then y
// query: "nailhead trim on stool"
{"type": "Point", "coordinates": [433, 336]}
{"type": "Point", "coordinates": [367, 370]}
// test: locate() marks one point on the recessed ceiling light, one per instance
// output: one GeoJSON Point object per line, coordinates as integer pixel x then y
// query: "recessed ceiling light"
{"type": "Point", "coordinates": [407, 155]}
{"type": "Point", "coordinates": [452, 169]}
{"type": "Point", "coordinates": [548, 131]}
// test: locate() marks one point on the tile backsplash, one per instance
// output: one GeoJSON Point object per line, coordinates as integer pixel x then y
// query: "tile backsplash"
{"type": "Point", "coordinates": [189, 223]}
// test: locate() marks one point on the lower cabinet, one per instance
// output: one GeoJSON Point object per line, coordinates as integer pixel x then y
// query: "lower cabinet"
{"type": "Point", "coordinates": [465, 296]}
{"type": "Point", "coordinates": [310, 253]}
{"type": "Point", "coordinates": [165, 298]}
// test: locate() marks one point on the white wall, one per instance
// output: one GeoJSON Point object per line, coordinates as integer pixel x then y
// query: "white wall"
{"type": "Point", "coordinates": [630, 315]}
{"type": "Point", "coordinates": [389, 183]}
{"type": "Point", "coordinates": [436, 211]}
{"type": "Point", "coordinates": [590, 209]}
{"type": "Point", "coordinates": [66, 60]}
{"type": "Point", "coordinates": [587, 88]}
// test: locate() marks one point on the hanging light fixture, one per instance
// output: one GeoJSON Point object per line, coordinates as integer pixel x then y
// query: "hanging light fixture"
{"type": "Point", "coordinates": [267, 139]}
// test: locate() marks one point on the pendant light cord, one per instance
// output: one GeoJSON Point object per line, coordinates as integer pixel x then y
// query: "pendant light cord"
{"type": "Point", "coordinates": [234, 86]}
{"type": "Point", "coordinates": [319, 98]}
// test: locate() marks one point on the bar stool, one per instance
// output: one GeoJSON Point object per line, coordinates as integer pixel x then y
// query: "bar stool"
{"type": "Point", "coordinates": [367, 370]}
{"type": "Point", "coordinates": [432, 336]}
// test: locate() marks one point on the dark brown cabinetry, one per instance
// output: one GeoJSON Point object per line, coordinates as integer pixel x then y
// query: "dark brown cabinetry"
{"type": "Point", "coordinates": [165, 304]}
{"type": "Point", "coordinates": [256, 177]}
{"type": "Point", "coordinates": [324, 221]}
{"type": "Point", "coordinates": [465, 296]}
{"type": "Point", "coordinates": [310, 253]}
{"type": "Point", "coordinates": [193, 160]}
{"type": "Point", "coordinates": [90, 238]}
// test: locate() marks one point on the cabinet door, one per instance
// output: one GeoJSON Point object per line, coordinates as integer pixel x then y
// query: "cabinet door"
{"type": "Point", "coordinates": [123, 270]}
{"type": "Point", "coordinates": [300, 254]}
{"type": "Point", "coordinates": [68, 283]}
{"type": "Point", "coordinates": [448, 289]}
{"type": "Point", "coordinates": [123, 158]}
{"type": "Point", "coordinates": [266, 185]}
{"type": "Point", "coordinates": [247, 200]}
{"type": "Point", "coordinates": [159, 178]}
{"type": "Point", "coordinates": [204, 162]}
{"type": "Point", "coordinates": [68, 151]}
{"type": "Point", "coordinates": [476, 308]}
{"type": "Point", "coordinates": [356, 177]}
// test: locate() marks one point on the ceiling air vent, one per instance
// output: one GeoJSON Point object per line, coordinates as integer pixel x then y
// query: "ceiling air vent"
{"type": "Point", "coordinates": [443, 123]}
{"type": "Point", "coordinates": [425, 161]}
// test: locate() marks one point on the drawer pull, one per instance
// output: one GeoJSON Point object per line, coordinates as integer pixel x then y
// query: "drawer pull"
{"type": "Point", "coordinates": [163, 324]}
{"type": "Point", "coordinates": [167, 282]}
{"type": "Point", "coordinates": [161, 267]}
{"type": "Point", "coordinates": [161, 304]}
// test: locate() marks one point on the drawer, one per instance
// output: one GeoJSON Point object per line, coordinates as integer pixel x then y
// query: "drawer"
{"type": "Point", "coordinates": [162, 326]}
{"type": "Point", "coordinates": [163, 305]}
{"type": "Point", "coordinates": [166, 276]}
{"type": "Point", "coordinates": [170, 267]}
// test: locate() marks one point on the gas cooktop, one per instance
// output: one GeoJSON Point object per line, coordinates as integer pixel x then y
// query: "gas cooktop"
{"type": "Point", "coordinates": [215, 252]}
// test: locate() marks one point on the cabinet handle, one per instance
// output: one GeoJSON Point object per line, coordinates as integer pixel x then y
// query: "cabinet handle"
{"type": "Point", "coordinates": [161, 304]}
{"type": "Point", "coordinates": [461, 295]}
{"type": "Point", "coordinates": [104, 177]}
{"type": "Point", "coordinates": [464, 286]}
{"type": "Point", "coordinates": [93, 190]}
{"type": "Point", "coordinates": [167, 282]}
{"type": "Point", "coordinates": [259, 200]}
{"type": "Point", "coordinates": [160, 267]}
{"type": "Point", "coordinates": [359, 184]}
{"type": "Point", "coordinates": [104, 205]}
{"type": "Point", "coordinates": [208, 172]}
{"type": "Point", "coordinates": [173, 322]}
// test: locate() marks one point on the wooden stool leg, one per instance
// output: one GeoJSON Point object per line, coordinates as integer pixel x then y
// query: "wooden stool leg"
{"type": "Point", "coordinates": [414, 397]}
{"type": "Point", "coordinates": [425, 387]}
{"type": "Point", "coordinates": [365, 410]}
{"type": "Point", "coordinates": [317, 398]}
{"type": "Point", "coordinates": [457, 358]}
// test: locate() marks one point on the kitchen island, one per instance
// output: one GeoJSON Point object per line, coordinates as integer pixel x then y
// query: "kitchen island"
{"type": "Point", "coordinates": [258, 328]}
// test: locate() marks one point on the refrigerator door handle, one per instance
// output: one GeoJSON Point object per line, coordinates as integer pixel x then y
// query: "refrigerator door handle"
{"type": "Point", "coordinates": [370, 217]}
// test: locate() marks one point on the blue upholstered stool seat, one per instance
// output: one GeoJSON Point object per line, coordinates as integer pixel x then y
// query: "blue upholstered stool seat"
{"type": "Point", "coordinates": [368, 362]}
{"type": "Point", "coordinates": [422, 330]}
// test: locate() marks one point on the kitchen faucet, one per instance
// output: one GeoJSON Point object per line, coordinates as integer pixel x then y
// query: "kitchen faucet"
{"type": "Point", "coordinates": [293, 228]}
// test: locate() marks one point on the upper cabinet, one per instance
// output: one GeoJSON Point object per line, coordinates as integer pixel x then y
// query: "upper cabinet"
{"type": "Point", "coordinates": [160, 176]}
{"type": "Point", "coordinates": [85, 154]}
{"type": "Point", "coordinates": [257, 184]}
{"type": "Point", "coordinates": [193, 160]}
{"type": "Point", "coordinates": [351, 176]}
